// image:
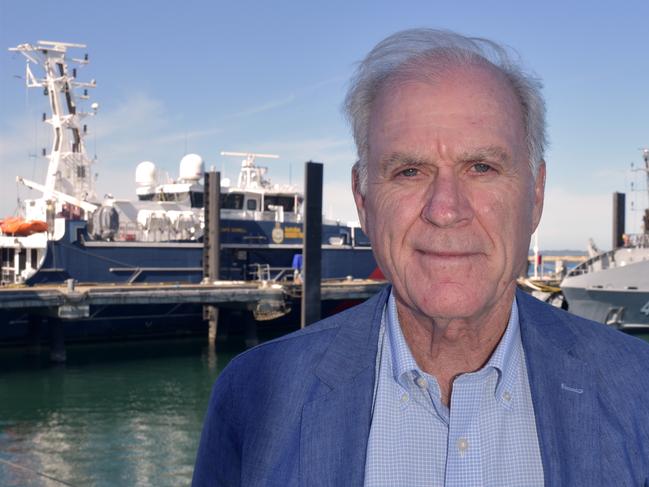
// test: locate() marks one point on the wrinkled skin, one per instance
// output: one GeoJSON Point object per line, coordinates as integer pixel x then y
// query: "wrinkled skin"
{"type": "Point", "coordinates": [451, 202]}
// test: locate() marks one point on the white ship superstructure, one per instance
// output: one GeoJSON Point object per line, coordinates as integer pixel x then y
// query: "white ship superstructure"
{"type": "Point", "coordinates": [68, 233]}
{"type": "Point", "coordinates": [613, 287]}
{"type": "Point", "coordinates": [68, 190]}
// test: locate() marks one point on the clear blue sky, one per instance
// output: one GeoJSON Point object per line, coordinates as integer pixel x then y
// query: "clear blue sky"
{"type": "Point", "coordinates": [207, 76]}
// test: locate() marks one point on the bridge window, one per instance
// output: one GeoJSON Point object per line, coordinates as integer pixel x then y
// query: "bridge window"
{"type": "Point", "coordinates": [196, 198]}
{"type": "Point", "coordinates": [288, 202]}
{"type": "Point", "coordinates": [232, 201]}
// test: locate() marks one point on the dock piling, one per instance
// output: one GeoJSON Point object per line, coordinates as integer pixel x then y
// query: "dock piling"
{"type": "Point", "coordinates": [250, 330]}
{"type": "Point", "coordinates": [57, 341]}
{"type": "Point", "coordinates": [34, 334]}
{"type": "Point", "coordinates": [619, 205]}
{"type": "Point", "coordinates": [312, 246]}
{"type": "Point", "coordinates": [212, 244]}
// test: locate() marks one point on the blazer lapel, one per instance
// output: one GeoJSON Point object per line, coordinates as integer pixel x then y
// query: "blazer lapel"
{"type": "Point", "coordinates": [564, 395]}
{"type": "Point", "coordinates": [336, 425]}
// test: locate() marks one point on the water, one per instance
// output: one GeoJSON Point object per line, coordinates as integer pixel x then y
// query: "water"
{"type": "Point", "coordinates": [116, 414]}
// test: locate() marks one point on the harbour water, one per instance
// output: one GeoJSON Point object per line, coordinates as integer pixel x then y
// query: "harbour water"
{"type": "Point", "coordinates": [116, 414]}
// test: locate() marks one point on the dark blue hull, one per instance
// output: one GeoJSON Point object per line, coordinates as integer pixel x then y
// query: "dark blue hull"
{"type": "Point", "coordinates": [245, 253]}
{"type": "Point", "coordinates": [248, 252]}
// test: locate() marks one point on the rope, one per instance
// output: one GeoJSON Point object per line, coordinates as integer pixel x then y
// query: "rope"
{"type": "Point", "coordinates": [30, 470]}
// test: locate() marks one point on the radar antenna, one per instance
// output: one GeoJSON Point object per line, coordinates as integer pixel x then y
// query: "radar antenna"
{"type": "Point", "coordinates": [251, 176]}
{"type": "Point", "coordinates": [70, 169]}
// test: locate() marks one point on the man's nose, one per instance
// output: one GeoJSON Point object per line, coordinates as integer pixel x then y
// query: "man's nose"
{"type": "Point", "coordinates": [446, 203]}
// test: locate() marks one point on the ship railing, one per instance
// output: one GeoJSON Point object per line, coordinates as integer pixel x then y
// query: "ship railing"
{"type": "Point", "coordinates": [639, 240]}
{"type": "Point", "coordinates": [607, 259]}
{"type": "Point", "coordinates": [128, 232]}
{"type": "Point", "coordinates": [264, 272]}
{"type": "Point", "coordinates": [604, 260]}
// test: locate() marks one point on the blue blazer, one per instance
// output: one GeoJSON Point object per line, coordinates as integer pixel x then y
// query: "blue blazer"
{"type": "Point", "coordinates": [297, 411]}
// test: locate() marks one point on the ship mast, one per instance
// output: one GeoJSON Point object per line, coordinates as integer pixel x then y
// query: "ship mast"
{"type": "Point", "coordinates": [70, 169]}
{"type": "Point", "coordinates": [251, 176]}
{"type": "Point", "coordinates": [645, 218]}
{"type": "Point", "coordinates": [645, 156]}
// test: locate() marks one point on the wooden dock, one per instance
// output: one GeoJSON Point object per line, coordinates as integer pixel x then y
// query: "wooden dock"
{"type": "Point", "coordinates": [71, 301]}
{"type": "Point", "coordinates": [45, 311]}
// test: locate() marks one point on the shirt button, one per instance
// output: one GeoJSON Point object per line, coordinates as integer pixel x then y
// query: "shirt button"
{"type": "Point", "coordinates": [421, 382]}
{"type": "Point", "coordinates": [462, 445]}
{"type": "Point", "coordinates": [404, 398]}
{"type": "Point", "coordinates": [507, 396]}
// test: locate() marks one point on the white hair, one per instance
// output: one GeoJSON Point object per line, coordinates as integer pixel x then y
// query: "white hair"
{"type": "Point", "coordinates": [417, 53]}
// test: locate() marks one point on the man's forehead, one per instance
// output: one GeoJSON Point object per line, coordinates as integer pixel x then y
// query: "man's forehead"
{"type": "Point", "coordinates": [465, 100]}
{"type": "Point", "coordinates": [435, 74]}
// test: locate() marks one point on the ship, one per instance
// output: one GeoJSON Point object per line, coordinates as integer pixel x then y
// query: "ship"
{"type": "Point", "coordinates": [68, 233]}
{"type": "Point", "coordinates": [613, 287]}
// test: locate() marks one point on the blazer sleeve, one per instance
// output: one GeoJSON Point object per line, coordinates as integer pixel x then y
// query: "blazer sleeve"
{"type": "Point", "coordinates": [218, 461]}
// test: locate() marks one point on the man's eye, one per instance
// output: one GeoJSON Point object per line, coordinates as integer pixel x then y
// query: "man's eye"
{"type": "Point", "coordinates": [481, 167]}
{"type": "Point", "coordinates": [410, 172]}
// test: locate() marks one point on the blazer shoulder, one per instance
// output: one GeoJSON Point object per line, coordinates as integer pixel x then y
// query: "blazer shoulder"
{"type": "Point", "coordinates": [593, 342]}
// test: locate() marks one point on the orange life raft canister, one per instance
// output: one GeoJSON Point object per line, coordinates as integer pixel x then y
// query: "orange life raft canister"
{"type": "Point", "coordinates": [20, 227]}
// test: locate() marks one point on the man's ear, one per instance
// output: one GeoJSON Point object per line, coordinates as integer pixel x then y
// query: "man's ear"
{"type": "Point", "coordinates": [539, 195]}
{"type": "Point", "coordinates": [359, 198]}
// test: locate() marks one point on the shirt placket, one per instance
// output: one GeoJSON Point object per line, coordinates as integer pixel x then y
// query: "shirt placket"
{"type": "Point", "coordinates": [464, 457]}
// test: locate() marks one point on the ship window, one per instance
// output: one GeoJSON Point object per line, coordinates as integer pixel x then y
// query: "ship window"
{"type": "Point", "coordinates": [288, 202]}
{"type": "Point", "coordinates": [145, 197]}
{"type": "Point", "coordinates": [232, 201]}
{"type": "Point", "coordinates": [22, 261]}
{"type": "Point", "coordinates": [251, 205]}
{"type": "Point", "coordinates": [196, 198]}
{"type": "Point", "coordinates": [162, 196]}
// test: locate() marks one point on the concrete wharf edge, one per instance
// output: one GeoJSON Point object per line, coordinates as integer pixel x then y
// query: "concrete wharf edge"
{"type": "Point", "coordinates": [220, 292]}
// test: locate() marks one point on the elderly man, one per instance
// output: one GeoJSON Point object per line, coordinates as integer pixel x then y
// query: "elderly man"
{"type": "Point", "coordinates": [450, 376]}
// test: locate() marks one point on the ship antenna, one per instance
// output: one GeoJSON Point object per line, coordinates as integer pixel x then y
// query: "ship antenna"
{"type": "Point", "coordinates": [69, 169]}
{"type": "Point", "coordinates": [250, 175]}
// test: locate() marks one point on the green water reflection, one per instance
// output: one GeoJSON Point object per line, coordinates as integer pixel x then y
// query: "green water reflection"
{"type": "Point", "coordinates": [116, 414]}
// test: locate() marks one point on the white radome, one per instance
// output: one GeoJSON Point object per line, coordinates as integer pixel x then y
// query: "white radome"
{"type": "Point", "coordinates": [145, 174]}
{"type": "Point", "coordinates": [191, 167]}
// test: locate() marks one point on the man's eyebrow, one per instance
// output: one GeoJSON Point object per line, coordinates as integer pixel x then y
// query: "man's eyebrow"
{"type": "Point", "coordinates": [496, 153]}
{"type": "Point", "coordinates": [399, 159]}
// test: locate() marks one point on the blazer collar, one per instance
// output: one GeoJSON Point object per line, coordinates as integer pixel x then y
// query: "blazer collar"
{"type": "Point", "coordinates": [354, 347]}
{"type": "Point", "coordinates": [335, 426]}
{"type": "Point", "coordinates": [564, 395]}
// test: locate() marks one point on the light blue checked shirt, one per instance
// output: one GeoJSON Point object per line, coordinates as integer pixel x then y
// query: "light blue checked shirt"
{"type": "Point", "coordinates": [487, 437]}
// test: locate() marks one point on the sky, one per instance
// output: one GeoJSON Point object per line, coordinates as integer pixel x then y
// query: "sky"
{"type": "Point", "coordinates": [258, 76]}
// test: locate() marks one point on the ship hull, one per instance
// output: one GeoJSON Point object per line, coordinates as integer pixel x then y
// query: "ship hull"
{"type": "Point", "coordinates": [616, 295]}
{"type": "Point", "coordinates": [246, 254]}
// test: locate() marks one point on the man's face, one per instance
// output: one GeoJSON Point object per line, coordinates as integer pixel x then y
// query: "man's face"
{"type": "Point", "coordinates": [451, 202]}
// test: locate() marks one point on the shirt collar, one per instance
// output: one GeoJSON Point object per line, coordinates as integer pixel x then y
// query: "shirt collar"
{"type": "Point", "coordinates": [505, 359]}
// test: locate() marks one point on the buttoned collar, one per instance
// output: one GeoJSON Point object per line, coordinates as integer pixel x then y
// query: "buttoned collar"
{"type": "Point", "coordinates": [505, 360]}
